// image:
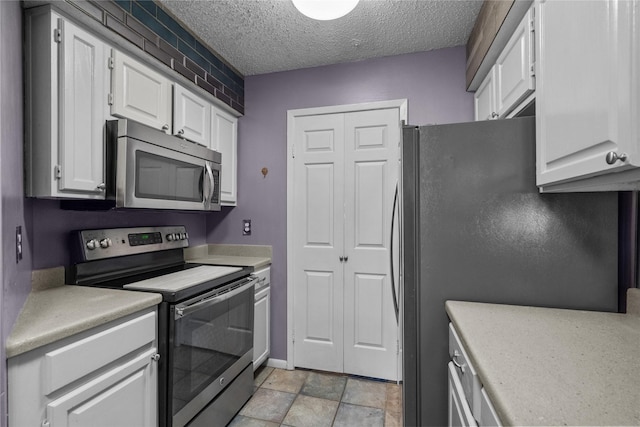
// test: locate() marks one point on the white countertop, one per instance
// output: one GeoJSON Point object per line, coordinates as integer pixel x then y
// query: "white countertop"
{"type": "Point", "coordinates": [254, 256]}
{"type": "Point", "coordinates": [544, 366]}
{"type": "Point", "coordinates": [54, 310]}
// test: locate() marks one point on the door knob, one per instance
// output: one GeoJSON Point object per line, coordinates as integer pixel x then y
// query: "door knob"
{"type": "Point", "coordinates": [341, 258]}
{"type": "Point", "coordinates": [346, 258]}
{"type": "Point", "coordinates": [613, 157]}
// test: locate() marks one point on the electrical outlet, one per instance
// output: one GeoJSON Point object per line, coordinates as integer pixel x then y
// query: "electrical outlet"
{"type": "Point", "coordinates": [18, 243]}
{"type": "Point", "coordinates": [246, 227]}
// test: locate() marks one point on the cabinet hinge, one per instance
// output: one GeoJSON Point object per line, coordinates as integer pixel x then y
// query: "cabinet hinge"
{"type": "Point", "coordinates": [110, 63]}
{"type": "Point", "coordinates": [57, 35]}
{"type": "Point", "coordinates": [57, 172]}
{"type": "Point", "coordinates": [397, 347]}
{"type": "Point", "coordinates": [532, 71]}
{"type": "Point", "coordinates": [293, 151]}
{"type": "Point", "coordinates": [293, 336]}
{"type": "Point", "coordinates": [110, 99]}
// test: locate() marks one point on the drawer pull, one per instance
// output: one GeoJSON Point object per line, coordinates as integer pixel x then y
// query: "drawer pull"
{"type": "Point", "coordinates": [613, 157]}
{"type": "Point", "coordinates": [456, 354]}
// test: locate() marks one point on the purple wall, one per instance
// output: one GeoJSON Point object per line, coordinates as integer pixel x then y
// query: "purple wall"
{"type": "Point", "coordinates": [434, 84]}
{"type": "Point", "coordinates": [16, 278]}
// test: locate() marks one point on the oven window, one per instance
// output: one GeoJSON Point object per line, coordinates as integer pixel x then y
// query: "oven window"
{"type": "Point", "coordinates": [159, 177]}
{"type": "Point", "coordinates": [207, 342]}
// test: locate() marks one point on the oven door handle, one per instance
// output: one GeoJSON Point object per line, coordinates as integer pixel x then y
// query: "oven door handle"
{"type": "Point", "coordinates": [182, 311]}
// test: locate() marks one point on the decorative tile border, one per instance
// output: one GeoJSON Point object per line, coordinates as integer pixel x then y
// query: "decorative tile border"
{"type": "Point", "coordinates": [153, 30]}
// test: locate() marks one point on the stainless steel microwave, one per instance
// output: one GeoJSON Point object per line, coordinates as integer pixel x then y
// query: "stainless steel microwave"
{"type": "Point", "coordinates": [146, 168]}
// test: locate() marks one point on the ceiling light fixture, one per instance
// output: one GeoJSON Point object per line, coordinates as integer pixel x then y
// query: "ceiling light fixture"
{"type": "Point", "coordinates": [325, 10]}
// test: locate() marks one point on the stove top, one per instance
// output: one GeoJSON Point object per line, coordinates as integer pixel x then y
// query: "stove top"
{"type": "Point", "coordinates": [148, 259]}
{"type": "Point", "coordinates": [174, 282]}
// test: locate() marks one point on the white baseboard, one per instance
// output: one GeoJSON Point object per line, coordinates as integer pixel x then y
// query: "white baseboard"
{"type": "Point", "coordinates": [277, 363]}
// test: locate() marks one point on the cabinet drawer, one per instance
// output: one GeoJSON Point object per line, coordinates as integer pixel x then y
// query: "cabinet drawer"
{"type": "Point", "coordinates": [72, 362]}
{"type": "Point", "coordinates": [264, 278]}
{"type": "Point", "coordinates": [466, 372]}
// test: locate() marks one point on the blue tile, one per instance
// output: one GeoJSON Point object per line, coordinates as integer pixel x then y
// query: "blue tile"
{"type": "Point", "coordinates": [208, 55]}
{"type": "Point", "coordinates": [174, 26]}
{"type": "Point", "coordinates": [143, 16]}
{"type": "Point", "coordinates": [215, 72]}
{"type": "Point", "coordinates": [149, 6]}
{"type": "Point", "coordinates": [125, 4]}
{"type": "Point", "coordinates": [191, 53]}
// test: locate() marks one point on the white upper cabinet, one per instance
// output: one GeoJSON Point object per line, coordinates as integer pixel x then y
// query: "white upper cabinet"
{"type": "Point", "coordinates": [191, 116]}
{"type": "Point", "coordinates": [588, 86]}
{"type": "Point", "coordinates": [224, 138]}
{"type": "Point", "coordinates": [66, 108]}
{"type": "Point", "coordinates": [140, 93]}
{"type": "Point", "coordinates": [514, 70]}
{"type": "Point", "coordinates": [485, 98]}
{"type": "Point", "coordinates": [512, 78]}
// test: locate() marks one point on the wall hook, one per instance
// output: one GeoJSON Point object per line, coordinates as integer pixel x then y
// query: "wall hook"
{"type": "Point", "coordinates": [264, 171]}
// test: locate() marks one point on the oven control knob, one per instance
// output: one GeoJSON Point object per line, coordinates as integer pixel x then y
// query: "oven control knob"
{"type": "Point", "coordinates": [170, 237]}
{"type": "Point", "coordinates": [183, 236]}
{"type": "Point", "coordinates": [105, 243]}
{"type": "Point", "coordinates": [92, 244]}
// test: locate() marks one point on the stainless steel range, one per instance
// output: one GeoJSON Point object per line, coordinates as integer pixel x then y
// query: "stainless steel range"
{"type": "Point", "coordinates": [205, 321]}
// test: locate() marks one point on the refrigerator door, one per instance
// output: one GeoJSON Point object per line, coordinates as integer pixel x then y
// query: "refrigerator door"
{"type": "Point", "coordinates": [476, 228]}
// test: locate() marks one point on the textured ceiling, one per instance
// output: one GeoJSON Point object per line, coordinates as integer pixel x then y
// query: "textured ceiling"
{"type": "Point", "coordinates": [263, 36]}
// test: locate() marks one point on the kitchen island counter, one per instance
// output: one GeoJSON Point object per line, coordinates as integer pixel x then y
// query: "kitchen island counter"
{"type": "Point", "coordinates": [542, 366]}
{"type": "Point", "coordinates": [54, 311]}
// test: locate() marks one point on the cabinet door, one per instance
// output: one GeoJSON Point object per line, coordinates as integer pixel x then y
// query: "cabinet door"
{"type": "Point", "coordinates": [124, 396]}
{"type": "Point", "coordinates": [191, 116]}
{"type": "Point", "coordinates": [261, 332]}
{"type": "Point", "coordinates": [83, 99]}
{"type": "Point", "coordinates": [224, 138]}
{"type": "Point", "coordinates": [459, 414]}
{"type": "Point", "coordinates": [584, 93]}
{"type": "Point", "coordinates": [514, 74]}
{"type": "Point", "coordinates": [139, 93]}
{"type": "Point", "coordinates": [484, 98]}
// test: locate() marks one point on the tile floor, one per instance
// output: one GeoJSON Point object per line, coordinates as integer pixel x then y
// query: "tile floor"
{"type": "Point", "coordinates": [317, 399]}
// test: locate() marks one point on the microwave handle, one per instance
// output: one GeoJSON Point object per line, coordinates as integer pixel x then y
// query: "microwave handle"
{"type": "Point", "coordinates": [212, 185]}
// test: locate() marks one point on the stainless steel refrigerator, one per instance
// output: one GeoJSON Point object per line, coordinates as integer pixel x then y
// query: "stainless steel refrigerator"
{"type": "Point", "coordinates": [475, 228]}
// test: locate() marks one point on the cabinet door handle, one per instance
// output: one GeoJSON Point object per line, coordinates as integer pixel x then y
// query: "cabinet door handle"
{"type": "Point", "coordinates": [455, 362]}
{"type": "Point", "coordinates": [341, 258]}
{"type": "Point", "coordinates": [181, 132]}
{"type": "Point", "coordinates": [155, 357]}
{"type": "Point", "coordinates": [613, 157]}
{"type": "Point", "coordinates": [102, 186]}
{"type": "Point", "coordinates": [165, 127]}
{"type": "Point", "coordinates": [494, 115]}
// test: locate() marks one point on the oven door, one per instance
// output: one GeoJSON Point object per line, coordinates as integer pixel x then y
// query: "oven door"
{"type": "Point", "coordinates": [151, 176]}
{"type": "Point", "coordinates": [212, 343]}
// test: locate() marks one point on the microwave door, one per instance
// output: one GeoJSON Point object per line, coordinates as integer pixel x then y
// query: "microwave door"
{"type": "Point", "coordinates": [160, 178]}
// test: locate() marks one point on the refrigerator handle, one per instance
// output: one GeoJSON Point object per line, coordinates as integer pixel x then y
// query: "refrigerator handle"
{"type": "Point", "coordinates": [393, 278]}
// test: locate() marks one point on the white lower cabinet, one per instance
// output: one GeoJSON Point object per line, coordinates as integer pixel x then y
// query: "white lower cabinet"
{"type": "Point", "coordinates": [103, 377]}
{"type": "Point", "coordinates": [469, 403]}
{"type": "Point", "coordinates": [459, 412]}
{"type": "Point", "coordinates": [262, 318]}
